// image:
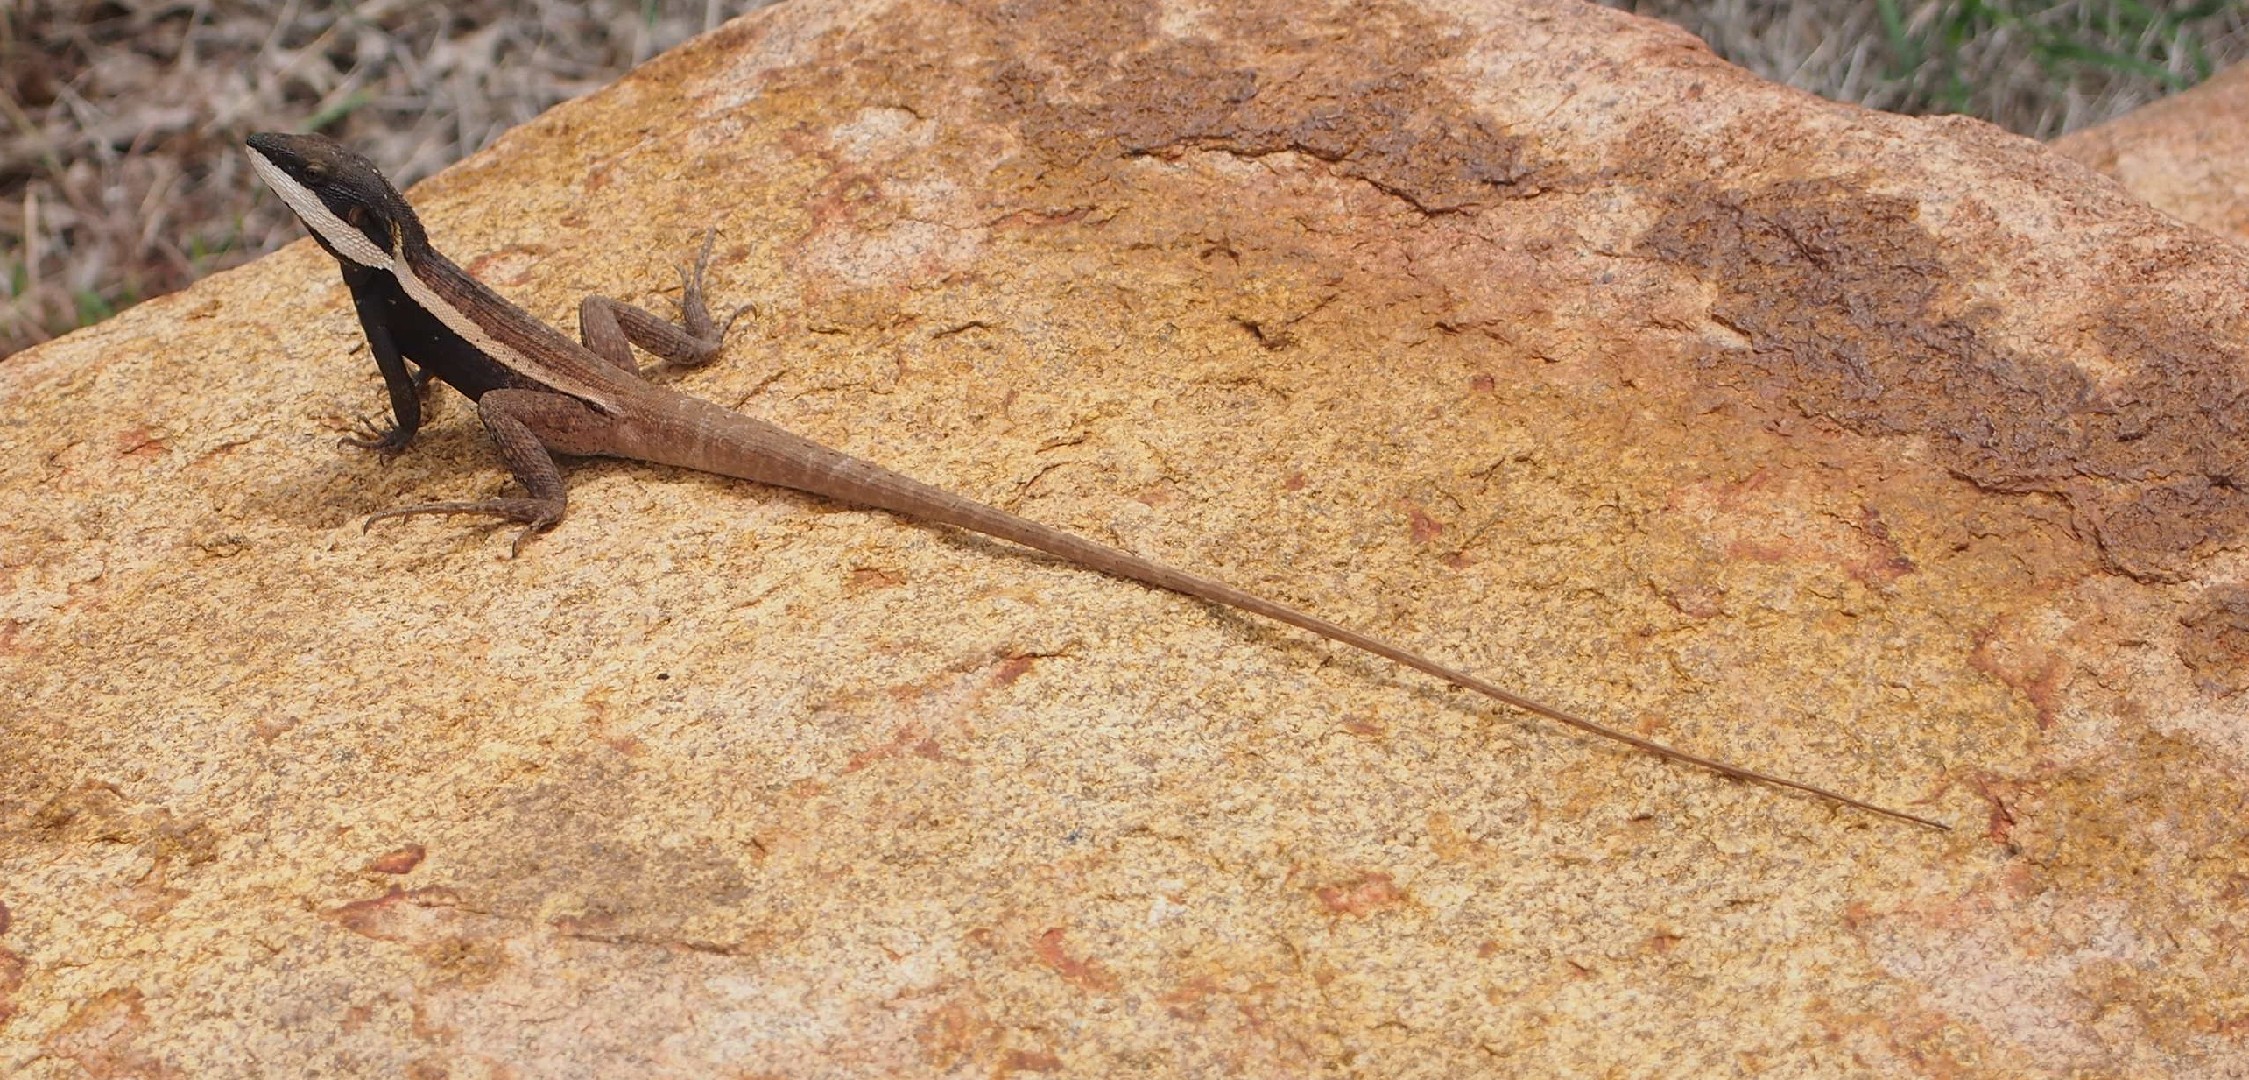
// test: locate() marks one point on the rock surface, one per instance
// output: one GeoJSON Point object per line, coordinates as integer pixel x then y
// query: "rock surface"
{"type": "Point", "coordinates": [2188, 154]}
{"type": "Point", "coordinates": [1895, 454]}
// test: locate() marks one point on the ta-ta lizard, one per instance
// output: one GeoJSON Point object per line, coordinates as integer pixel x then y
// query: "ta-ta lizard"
{"type": "Point", "coordinates": [540, 393]}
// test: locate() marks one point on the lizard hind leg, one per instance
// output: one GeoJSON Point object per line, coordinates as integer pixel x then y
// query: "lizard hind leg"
{"type": "Point", "coordinates": [612, 327]}
{"type": "Point", "coordinates": [524, 424]}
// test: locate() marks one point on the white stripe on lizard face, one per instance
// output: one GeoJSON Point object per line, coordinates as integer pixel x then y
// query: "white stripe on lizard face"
{"type": "Point", "coordinates": [349, 242]}
{"type": "Point", "coordinates": [354, 245]}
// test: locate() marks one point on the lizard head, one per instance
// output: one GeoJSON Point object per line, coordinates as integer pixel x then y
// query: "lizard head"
{"type": "Point", "coordinates": [340, 196]}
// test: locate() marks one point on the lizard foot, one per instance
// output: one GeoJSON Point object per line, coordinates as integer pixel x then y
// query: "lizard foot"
{"type": "Point", "coordinates": [385, 440]}
{"type": "Point", "coordinates": [694, 311]}
{"type": "Point", "coordinates": [536, 514]}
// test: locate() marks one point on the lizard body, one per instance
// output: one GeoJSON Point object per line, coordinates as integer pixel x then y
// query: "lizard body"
{"type": "Point", "coordinates": [540, 393]}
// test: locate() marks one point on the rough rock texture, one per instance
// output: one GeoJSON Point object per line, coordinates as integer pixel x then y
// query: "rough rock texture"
{"type": "Point", "coordinates": [1902, 455]}
{"type": "Point", "coordinates": [2188, 155]}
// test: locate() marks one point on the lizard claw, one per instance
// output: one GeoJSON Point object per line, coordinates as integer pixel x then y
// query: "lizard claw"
{"type": "Point", "coordinates": [695, 281]}
{"type": "Point", "coordinates": [537, 515]}
{"type": "Point", "coordinates": [703, 257]}
{"type": "Point", "coordinates": [516, 549]}
{"type": "Point", "coordinates": [691, 279]}
{"type": "Point", "coordinates": [694, 310]}
{"type": "Point", "coordinates": [750, 307]}
{"type": "Point", "coordinates": [366, 434]}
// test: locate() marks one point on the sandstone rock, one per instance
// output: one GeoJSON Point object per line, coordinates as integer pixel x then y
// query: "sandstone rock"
{"type": "Point", "coordinates": [1893, 454]}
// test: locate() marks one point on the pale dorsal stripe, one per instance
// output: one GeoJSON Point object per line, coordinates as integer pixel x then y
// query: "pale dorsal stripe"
{"type": "Point", "coordinates": [508, 356]}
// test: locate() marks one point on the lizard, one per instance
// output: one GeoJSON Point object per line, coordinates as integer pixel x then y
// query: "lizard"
{"type": "Point", "coordinates": [538, 393]}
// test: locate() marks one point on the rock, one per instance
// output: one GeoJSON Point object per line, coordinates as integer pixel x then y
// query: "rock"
{"type": "Point", "coordinates": [2188, 154]}
{"type": "Point", "coordinates": [1892, 454]}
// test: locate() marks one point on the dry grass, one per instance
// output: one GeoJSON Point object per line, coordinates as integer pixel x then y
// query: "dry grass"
{"type": "Point", "coordinates": [120, 173]}
{"type": "Point", "coordinates": [2036, 67]}
{"type": "Point", "coordinates": [120, 179]}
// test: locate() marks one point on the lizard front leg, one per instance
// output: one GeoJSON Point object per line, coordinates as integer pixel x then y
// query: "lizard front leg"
{"type": "Point", "coordinates": [527, 426]}
{"type": "Point", "coordinates": [610, 328]}
{"type": "Point", "coordinates": [405, 388]}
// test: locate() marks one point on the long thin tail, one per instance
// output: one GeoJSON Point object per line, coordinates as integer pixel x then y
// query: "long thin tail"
{"type": "Point", "coordinates": [736, 445]}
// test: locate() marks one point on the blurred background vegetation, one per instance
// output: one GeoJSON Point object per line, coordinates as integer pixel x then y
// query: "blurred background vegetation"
{"type": "Point", "coordinates": [120, 180]}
